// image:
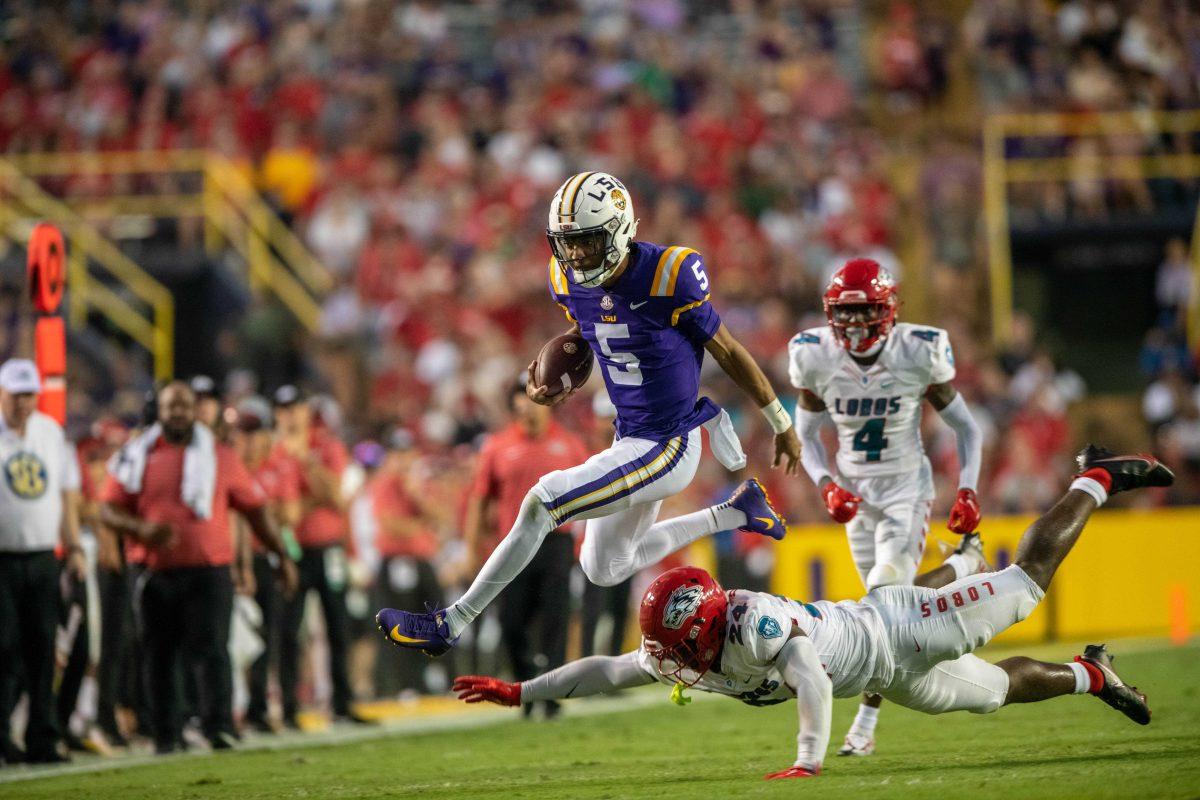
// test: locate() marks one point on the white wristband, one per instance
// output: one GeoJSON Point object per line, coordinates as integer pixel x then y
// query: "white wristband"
{"type": "Point", "coordinates": [777, 417]}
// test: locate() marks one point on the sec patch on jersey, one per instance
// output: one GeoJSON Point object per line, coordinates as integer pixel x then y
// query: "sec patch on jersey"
{"type": "Point", "coordinates": [565, 362]}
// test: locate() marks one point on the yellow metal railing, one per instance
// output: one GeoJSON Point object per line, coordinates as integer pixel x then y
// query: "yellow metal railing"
{"type": "Point", "coordinates": [1000, 171]}
{"type": "Point", "coordinates": [205, 186]}
{"type": "Point", "coordinates": [23, 203]}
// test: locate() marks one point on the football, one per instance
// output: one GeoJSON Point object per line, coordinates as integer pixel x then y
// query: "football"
{"type": "Point", "coordinates": [563, 363]}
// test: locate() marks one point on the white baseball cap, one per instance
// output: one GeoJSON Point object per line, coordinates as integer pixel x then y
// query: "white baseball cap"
{"type": "Point", "coordinates": [20, 376]}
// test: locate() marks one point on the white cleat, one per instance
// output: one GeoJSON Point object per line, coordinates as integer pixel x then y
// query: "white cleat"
{"type": "Point", "coordinates": [856, 745]}
{"type": "Point", "coordinates": [971, 547]}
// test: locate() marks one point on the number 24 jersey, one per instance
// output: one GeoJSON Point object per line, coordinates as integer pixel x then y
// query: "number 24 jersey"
{"type": "Point", "coordinates": [877, 409]}
{"type": "Point", "coordinates": [648, 332]}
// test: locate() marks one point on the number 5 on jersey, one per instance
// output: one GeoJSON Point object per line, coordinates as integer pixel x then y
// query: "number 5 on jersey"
{"type": "Point", "coordinates": [627, 371]}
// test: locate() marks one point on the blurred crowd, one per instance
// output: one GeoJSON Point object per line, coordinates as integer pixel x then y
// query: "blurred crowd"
{"type": "Point", "coordinates": [414, 146]}
{"type": "Point", "coordinates": [1089, 56]}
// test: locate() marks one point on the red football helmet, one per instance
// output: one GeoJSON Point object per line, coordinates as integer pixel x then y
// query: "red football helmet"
{"type": "Point", "coordinates": [860, 304]}
{"type": "Point", "coordinates": [682, 617]}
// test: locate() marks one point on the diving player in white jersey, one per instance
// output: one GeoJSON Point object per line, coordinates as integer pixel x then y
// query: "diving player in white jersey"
{"type": "Point", "coordinates": [869, 374]}
{"type": "Point", "coordinates": [912, 644]}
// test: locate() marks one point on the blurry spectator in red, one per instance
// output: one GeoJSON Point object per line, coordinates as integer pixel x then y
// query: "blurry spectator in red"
{"type": "Point", "coordinates": [407, 543]}
{"type": "Point", "coordinates": [114, 681]}
{"type": "Point", "coordinates": [172, 488]}
{"type": "Point", "coordinates": [278, 473]}
{"type": "Point", "coordinates": [1024, 483]}
{"type": "Point", "coordinates": [323, 534]}
{"type": "Point", "coordinates": [511, 461]}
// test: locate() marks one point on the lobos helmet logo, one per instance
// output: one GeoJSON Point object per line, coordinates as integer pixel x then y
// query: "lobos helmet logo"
{"type": "Point", "coordinates": [618, 199]}
{"type": "Point", "coordinates": [682, 603]}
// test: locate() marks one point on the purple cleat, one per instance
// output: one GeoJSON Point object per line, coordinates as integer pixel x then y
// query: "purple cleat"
{"type": "Point", "coordinates": [426, 631]}
{"type": "Point", "coordinates": [761, 517]}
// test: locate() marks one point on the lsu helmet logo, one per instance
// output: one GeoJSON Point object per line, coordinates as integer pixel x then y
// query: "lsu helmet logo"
{"type": "Point", "coordinates": [682, 603]}
{"type": "Point", "coordinates": [618, 199]}
{"type": "Point", "coordinates": [26, 475]}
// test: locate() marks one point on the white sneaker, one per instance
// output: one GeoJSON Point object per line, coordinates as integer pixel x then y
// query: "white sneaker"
{"type": "Point", "coordinates": [971, 547]}
{"type": "Point", "coordinates": [857, 745]}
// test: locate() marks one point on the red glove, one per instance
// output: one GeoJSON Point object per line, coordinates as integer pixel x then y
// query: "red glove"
{"type": "Point", "coordinates": [794, 772]}
{"type": "Point", "coordinates": [964, 517]}
{"type": "Point", "coordinates": [841, 504]}
{"type": "Point", "coordinates": [478, 688]}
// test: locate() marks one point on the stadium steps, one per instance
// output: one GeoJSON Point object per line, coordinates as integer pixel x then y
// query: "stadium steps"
{"type": "Point", "coordinates": [109, 202]}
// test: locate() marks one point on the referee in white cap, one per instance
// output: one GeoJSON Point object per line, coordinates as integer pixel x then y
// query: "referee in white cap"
{"type": "Point", "coordinates": [39, 495]}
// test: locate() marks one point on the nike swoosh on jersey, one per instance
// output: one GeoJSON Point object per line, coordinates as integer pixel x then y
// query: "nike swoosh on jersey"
{"type": "Point", "coordinates": [400, 637]}
{"type": "Point", "coordinates": [770, 523]}
{"type": "Point", "coordinates": [633, 306]}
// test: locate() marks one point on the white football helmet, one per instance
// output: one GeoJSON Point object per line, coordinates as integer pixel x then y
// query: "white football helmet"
{"type": "Point", "coordinates": [590, 226]}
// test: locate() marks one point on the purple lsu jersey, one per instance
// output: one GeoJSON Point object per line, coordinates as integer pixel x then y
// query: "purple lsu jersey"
{"type": "Point", "coordinates": [648, 332]}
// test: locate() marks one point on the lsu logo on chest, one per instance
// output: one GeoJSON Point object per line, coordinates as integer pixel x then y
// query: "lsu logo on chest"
{"type": "Point", "coordinates": [866, 406]}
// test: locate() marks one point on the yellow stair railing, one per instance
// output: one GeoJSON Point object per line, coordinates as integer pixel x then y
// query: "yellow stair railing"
{"type": "Point", "coordinates": [23, 203]}
{"type": "Point", "coordinates": [1000, 170]}
{"type": "Point", "coordinates": [206, 186]}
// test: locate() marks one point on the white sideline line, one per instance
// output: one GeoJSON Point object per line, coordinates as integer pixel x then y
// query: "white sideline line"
{"type": "Point", "coordinates": [347, 734]}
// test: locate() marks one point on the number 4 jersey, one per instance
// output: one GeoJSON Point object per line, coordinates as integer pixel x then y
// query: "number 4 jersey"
{"type": "Point", "coordinates": [877, 409]}
{"type": "Point", "coordinates": [648, 332]}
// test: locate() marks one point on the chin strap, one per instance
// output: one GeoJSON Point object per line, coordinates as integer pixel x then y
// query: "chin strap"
{"type": "Point", "coordinates": [872, 350]}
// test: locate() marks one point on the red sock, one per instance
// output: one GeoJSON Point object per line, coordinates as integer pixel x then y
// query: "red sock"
{"type": "Point", "coordinates": [1100, 476]}
{"type": "Point", "coordinates": [1094, 674]}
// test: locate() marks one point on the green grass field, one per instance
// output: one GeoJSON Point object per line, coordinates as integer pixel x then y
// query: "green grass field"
{"type": "Point", "coordinates": [717, 748]}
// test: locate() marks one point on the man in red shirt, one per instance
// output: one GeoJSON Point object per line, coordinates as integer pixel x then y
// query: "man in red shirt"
{"type": "Point", "coordinates": [323, 533]}
{"type": "Point", "coordinates": [279, 476]}
{"type": "Point", "coordinates": [187, 591]}
{"type": "Point", "coordinates": [407, 542]}
{"type": "Point", "coordinates": [511, 461]}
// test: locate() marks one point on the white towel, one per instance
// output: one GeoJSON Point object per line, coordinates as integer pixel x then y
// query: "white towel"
{"type": "Point", "coordinates": [199, 483]}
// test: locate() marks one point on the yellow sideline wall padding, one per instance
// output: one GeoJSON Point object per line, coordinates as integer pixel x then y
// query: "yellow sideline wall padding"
{"type": "Point", "coordinates": [1118, 580]}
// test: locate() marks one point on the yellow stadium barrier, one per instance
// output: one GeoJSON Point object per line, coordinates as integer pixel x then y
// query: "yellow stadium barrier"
{"type": "Point", "coordinates": [1133, 573]}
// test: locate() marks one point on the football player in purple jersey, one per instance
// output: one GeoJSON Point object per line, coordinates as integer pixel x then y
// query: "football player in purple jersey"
{"type": "Point", "coordinates": [645, 311]}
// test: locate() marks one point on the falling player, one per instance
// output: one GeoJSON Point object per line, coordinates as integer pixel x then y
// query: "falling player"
{"type": "Point", "coordinates": [912, 644]}
{"type": "Point", "coordinates": [869, 373]}
{"type": "Point", "coordinates": [644, 309]}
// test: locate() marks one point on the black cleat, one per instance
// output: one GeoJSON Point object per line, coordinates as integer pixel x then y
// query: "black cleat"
{"type": "Point", "coordinates": [1127, 472]}
{"type": "Point", "coordinates": [1126, 699]}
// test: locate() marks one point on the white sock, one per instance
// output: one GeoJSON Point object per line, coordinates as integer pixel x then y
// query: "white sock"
{"type": "Point", "coordinates": [864, 721]}
{"type": "Point", "coordinates": [1092, 487]}
{"type": "Point", "coordinates": [505, 563]}
{"type": "Point", "coordinates": [1083, 681]}
{"type": "Point", "coordinates": [961, 565]}
{"type": "Point", "coordinates": [665, 537]}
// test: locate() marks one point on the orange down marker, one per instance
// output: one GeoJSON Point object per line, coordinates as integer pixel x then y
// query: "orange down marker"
{"type": "Point", "coordinates": [45, 268]}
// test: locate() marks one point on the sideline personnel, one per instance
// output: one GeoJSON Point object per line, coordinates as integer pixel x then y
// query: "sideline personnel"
{"type": "Point", "coordinates": [39, 499]}
{"type": "Point", "coordinates": [172, 488]}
